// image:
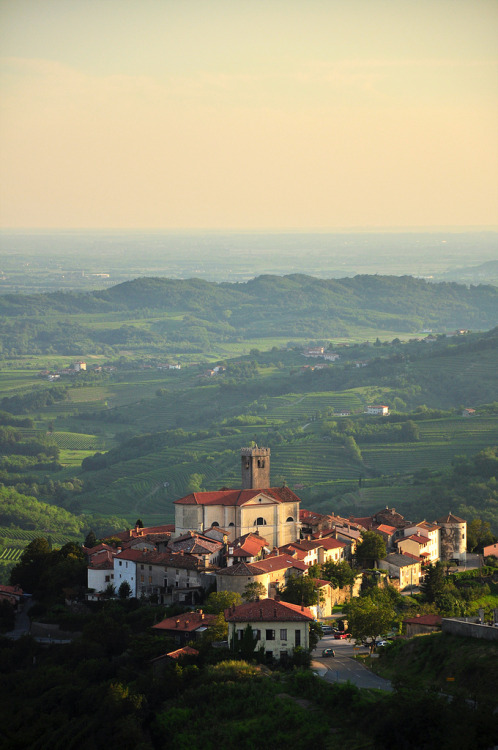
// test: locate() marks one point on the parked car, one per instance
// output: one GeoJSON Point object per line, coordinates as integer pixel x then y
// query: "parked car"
{"type": "Point", "coordinates": [382, 643]}
{"type": "Point", "coordinates": [326, 629]}
{"type": "Point", "coordinates": [328, 652]}
{"type": "Point", "coordinates": [341, 636]}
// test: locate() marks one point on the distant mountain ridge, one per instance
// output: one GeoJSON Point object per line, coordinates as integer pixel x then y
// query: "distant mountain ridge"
{"type": "Point", "coordinates": [296, 302]}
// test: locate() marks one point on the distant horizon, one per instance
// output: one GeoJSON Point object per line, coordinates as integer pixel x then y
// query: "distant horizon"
{"type": "Point", "coordinates": [260, 230]}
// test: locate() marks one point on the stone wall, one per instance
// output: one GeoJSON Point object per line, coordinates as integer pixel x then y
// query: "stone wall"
{"type": "Point", "coordinates": [469, 629]}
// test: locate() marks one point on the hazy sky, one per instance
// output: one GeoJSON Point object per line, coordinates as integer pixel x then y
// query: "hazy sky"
{"type": "Point", "coordinates": [248, 113]}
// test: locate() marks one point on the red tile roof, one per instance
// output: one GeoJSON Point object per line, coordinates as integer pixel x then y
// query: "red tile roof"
{"type": "Point", "coordinates": [268, 610]}
{"type": "Point", "coordinates": [414, 538]}
{"type": "Point", "coordinates": [186, 622]}
{"type": "Point", "coordinates": [238, 497]}
{"type": "Point", "coordinates": [277, 562]}
{"type": "Point", "coordinates": [424, 620]}
{"type": "Point", "coordinates": [450, 518]}
{"type": "Point", "coordinates": [185, 651]}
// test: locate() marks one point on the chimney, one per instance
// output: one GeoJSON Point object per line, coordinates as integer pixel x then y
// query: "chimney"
{"type": "Point", "coordinates": [177, 623]}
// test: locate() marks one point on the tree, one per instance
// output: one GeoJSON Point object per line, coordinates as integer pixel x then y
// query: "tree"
{"type": "Point", "coordinates": [90, 539]}
{"type": "Point", "coordinates": [254, 591]}
{"type": "Point", "coordinates": [301, 590]}
{"type": "Point", "coordinates": [434, 583]}
{"type": "Point", "coordinates": [124, 591]}
{"type": "Point", "coordinates": [218, 601]}
{"type": "Point", "coordinates": [339, 574]}
{"type": "Point", "coordinates": [246, 645]}
{"type": "Point", "coordinates": [410, 432]}
{"type": "Point", "coordinates": [479, 535]}
{"type": "Point", "coordinates": [372, 547]}
{"type": "Point", "coordinates": [367, 619]}
{"type": "Point", "coordinates": [139, 523]}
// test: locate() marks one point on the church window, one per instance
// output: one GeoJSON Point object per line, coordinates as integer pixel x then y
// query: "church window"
{"type": "Point", "coordinates": [231, 523]}
{"type": "Point", "coordinates": [215, 523]}
{"type": "Point", "coordinates": [260, 521]}
{"type": "Point", "coordinates": [289, 519]}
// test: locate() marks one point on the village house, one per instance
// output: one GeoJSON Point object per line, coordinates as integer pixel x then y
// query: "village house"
{"type": "Point", "coordinates": [186, 627]}
{"type": "Point", "coordinates": [280, 627]}
{"type": "Point", "coordinates": [431, 548]}
{"type": "Point", "coordinates": [491, 550]}
{"type": "Point", "coordinates": [421, 624]}
{"type": "Point", "coordinates": [273, 573]}
{"type": "Point", "coordinates": [248, 548]}
{"type": "Point", "coordinates": [406, 569]}
{"type": "Point", "coordinates": [382, 411]}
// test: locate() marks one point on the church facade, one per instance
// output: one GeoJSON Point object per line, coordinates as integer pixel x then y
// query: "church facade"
{"type": "Point", "coordinates": [273, 512]}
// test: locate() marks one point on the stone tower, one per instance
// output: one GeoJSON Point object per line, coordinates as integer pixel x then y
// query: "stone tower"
{"type": "Point", "coordinates": [255, 464]}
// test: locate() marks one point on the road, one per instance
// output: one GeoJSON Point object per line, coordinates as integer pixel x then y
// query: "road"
{"type": "Point", "coordinates": [343, 668]}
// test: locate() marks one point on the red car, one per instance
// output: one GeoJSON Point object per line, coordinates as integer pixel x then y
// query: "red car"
{"type": "Point", "coordinates": [340, 636]}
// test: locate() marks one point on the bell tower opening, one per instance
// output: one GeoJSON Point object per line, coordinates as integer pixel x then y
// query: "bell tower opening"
{"type": "Point", "coordinates": [255, 464]}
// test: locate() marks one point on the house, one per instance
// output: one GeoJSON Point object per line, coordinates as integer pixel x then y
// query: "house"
{"type": "Point", "coordinates": [405, 568]}
{"type": "Point", "coordinates": [272, 511]}
{"type": "Point", "coordinates": [173, 577]}
{"type": "Point", "coordinates": [13, 595]}
{"type": "Point", "coordinates": [79, 366]}
{"type": "Point", "coordinates": [422, 624]}
{"type": "Point", "coordinates": [210, 551]}
{"type": "Point", "coordinates": [100, 572]}
{"type": "Point", "coordinates": [185, 627]}
{"type": "Point", "coordinates": [314, 351]}
{"type": "Point", "coordinates": [272, 572]}
{"type": "Point", "coordinates": [491, 550]}
{"type": "Point", "coordinates": [248, 548]}
{"type": "Point", "coordinates": [382, 411]}
{"type": "Point", "coordinates": [280, 627]}
{"type": "Point", "coordinates": [468, 412]}
{"type": "Point", "coordinates": [431, 531]}
{"type": "Point", "coordinates": [331, 356]}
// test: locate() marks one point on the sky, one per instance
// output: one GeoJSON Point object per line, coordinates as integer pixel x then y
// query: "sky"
{"type": "Point", "coordinates": [248, 114]}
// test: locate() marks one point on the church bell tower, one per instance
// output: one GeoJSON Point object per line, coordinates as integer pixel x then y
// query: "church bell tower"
{"type": "Point", "coordinates": [255, 464]}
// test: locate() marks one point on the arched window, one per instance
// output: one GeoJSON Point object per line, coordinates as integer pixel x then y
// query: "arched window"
{"type": "Point", "coordinates": [215, 523]}
{"type": "Point", "coordinates": [260, 521]}
{"type": "Point", "coordinates": [231, 523]}
{"type": "Point", "coordinates": [261, 463]}
{"type": "Point", "coordinates": [289, 519]}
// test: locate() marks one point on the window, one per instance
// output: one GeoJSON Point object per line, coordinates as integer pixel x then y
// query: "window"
{"type": "Point", "coordinates": [289, 519]}
{"type": "Point", "coordinates": [231, 523]}
{"type": "Point", "coordinates": [270, 635]}
{"type": "Point", "coordinates": [240, 633]}
{"type": "Point", "coordinates": [298, 638]}
{"type": "Point", "coordinates": [150, 579]}
{"type": "Point", "coordinates": [120, 563]}
{"type": "Point", "coordinates": [150, 567]}
{"type": "Point", "coordinates": [257, 633]}
{"type": "Point", "coordinates": [215, 523]}
{"type": "Point", "coordinates": [141, 567]}
{"type": "Point", "coordinates": [107, 579]}
{"type": "Point", "coordinates": [283, 634]}
{"type": "Point", "coordinates": [260, 521]}
{"type": "Point", "coordinates": [141, 579]}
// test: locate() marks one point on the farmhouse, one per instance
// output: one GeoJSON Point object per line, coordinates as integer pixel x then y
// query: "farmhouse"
{"type": "Point", "coordinates": [382, 411]}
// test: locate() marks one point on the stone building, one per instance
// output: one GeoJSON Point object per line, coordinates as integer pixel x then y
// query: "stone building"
{"type": "Point", "coordinates": [453, 540]}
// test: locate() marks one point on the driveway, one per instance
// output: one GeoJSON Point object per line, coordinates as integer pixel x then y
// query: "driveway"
{"type": "Point", "coordinates": [343, 668]}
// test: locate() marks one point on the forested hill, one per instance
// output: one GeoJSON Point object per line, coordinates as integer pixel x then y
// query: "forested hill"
{"type": "Point", "coordinates": [295, 303]}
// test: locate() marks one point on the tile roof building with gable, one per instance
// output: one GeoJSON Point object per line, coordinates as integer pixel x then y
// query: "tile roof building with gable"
{"type": "Point", "coordinates": [185, 627]}
{"type": "Point", "coordinates": [272, 572]}
{"type": "Point", "coordinates": [280, 627]}
{"type": "Point", "coordinates": [273, 511]}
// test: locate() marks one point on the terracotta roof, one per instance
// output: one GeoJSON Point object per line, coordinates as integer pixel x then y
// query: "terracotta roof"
{"type": "Point", "coordinates": [332, 544]}
{"type": "Point", "coordinates": [268, 610]}
{"type": "Point", "coordinates": [89, 551]}
{"type": "Point", "coordinates": [414, 538]}
{"type": "Point", "coordinates": [186, 622]}
{"type": "Point", "coordinates": [307, 545]}
{"type": "Point", "coordinates": [133, 533]}
{"type": "Point", "coordinates": [238, 497]}
{"type": "Point", "coordinates": [385, 528]}
{"type": "Point", "coordinates": [320, 583]}
{"type": "Point", "coordinates": [428, 526]}
{"type": "Point", "coordinates": [450, 518]}
{"type": "Point", "coordinates": [168, 559]}
{"type": "Point", "coordinates": [241, 569]}
{"type": "Point", "coordinates": [185, 651]}
{"type": "Point", "coordinates": [424, 620]}
{"type": "Point", "coordinates": [278, 562]}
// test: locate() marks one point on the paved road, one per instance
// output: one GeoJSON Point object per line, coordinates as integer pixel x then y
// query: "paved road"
{"type": "Point", "coordinates": [343, 668]}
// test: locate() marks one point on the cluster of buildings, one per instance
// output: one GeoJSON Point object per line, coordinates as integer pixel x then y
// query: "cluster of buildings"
{"type": "Point", "coordinates": [228, 539]}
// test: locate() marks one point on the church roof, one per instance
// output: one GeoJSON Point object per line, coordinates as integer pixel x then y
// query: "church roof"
{"type": "Point", "coordinates": [238, 497]}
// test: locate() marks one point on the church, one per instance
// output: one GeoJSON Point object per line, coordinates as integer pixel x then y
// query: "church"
{"type": "Point", "coordinates": [273, 512]}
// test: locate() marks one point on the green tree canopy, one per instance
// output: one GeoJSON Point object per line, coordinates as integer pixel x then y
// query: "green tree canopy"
{"type": "Point", "coordinates": [339, 574]}
{"type": "Point", "coordinates": [218, 601]}
{"type": "Point", "coordinates": [254, 591]}
{"type": "Point", "coordinates": [371, 548]}
{"type": "Point", "coordinates": [300, 590]}
{"type": "Point", "coordinates": [368, 619]}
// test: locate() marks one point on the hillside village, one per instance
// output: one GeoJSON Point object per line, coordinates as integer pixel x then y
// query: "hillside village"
{"type": "Point", "coordinates": [259, 538]}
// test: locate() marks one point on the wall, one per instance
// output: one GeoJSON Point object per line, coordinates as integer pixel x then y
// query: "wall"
{"type": "Point", "coordinates": [469, 629]}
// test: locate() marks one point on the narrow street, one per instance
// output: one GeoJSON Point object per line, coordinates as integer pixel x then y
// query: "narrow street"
{"type": "Point", "coordinates": [343, 667]}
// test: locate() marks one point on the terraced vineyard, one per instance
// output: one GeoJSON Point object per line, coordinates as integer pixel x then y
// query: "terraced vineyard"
{"type": "Point", "coordinates": [11, 554]}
